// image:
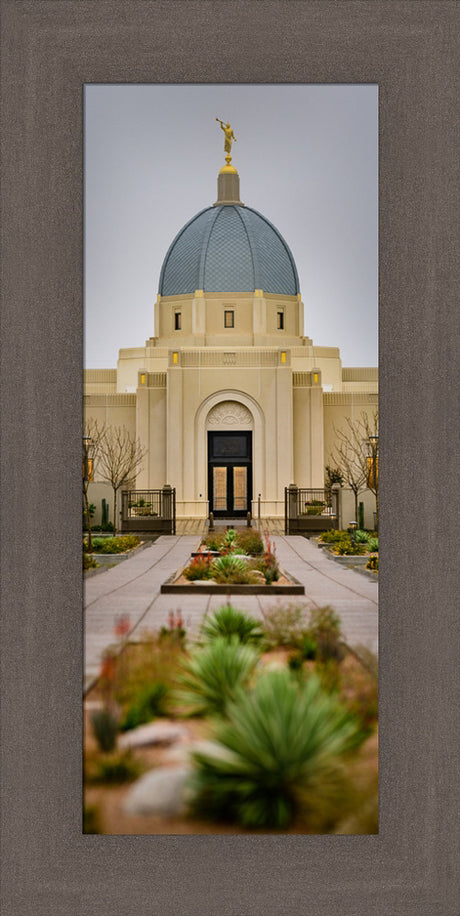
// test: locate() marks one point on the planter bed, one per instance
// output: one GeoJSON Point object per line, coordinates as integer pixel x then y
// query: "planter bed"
{"type": "Point", "coordinates": [178, 584]}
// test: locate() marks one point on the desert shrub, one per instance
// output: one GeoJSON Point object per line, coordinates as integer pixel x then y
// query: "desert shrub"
{"type": "Point", "coordinates": [250, 542]}
{"type": "Point", "coordinates": [359, 689]}
{"type": "Point", "coordinates": [373, 562]}
{"type": "Point", "coordinates": [155, 660]}
{"type": "Point", "coordinates": [212, 676]}
{"type": "Point", "coordinates": [213, 541]}
{"type": "Point", "coordinates": [284, 625]}
{"type": "Point", "coordinates": [199, 568]}
{"type": "Point", "coordinates": [148, 704]}
{"type": "Point", "coordinates": [332, 536]}
{"type": "Point", "coordinates": [113, 768]}
{"type": "Point", "coordinates": [307, 646]}
{"type": "Point", "coordinates": [361, 537]}
{"type": "Point", "coordinates": [89, 562]}
{"type": "Point", "coordinates": [325, 631]}
{"type": "Point", "coordinates": [227, 621]}
{"type": "Point", "coordinates": [105, 728]}
{"type": "Point", "coordinates": [345, 547]}
{"type": "Point", "coordinates": [373, 545]}
{"type": "Point", "coordinates": [280, 745]}
{"type": "Point", "coordinates": [114, 545]}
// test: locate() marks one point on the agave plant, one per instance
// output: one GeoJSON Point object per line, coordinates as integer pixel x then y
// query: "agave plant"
{"type": "Point", "coordinates": [373, 545]}
{"type": "Point", "coordinates": [279, 749]}
{"type": "Point", "coordinates": [211, 677]}
{"type": "Point", "coordinates": [227, 621]}
{"type": "Point", "coordinates": [228, 567]}
{"type": "Point", "coordinates": [361, 537]}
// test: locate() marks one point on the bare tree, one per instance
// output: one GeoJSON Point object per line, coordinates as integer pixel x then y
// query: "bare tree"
{"type": "Point", "coordinates": [351, 455]}
{"type": "Point", "coordinates": [119, 459]}
{"type": "Point", "coordinates": [93, 435]}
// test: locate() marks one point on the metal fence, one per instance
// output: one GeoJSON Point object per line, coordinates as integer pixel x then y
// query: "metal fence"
{"type": "Point", "coordinates": [149, 511]}
{"type": "Point", "coordinates": [309, 511]}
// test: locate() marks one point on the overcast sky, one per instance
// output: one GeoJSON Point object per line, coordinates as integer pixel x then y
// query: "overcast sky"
{"type": "Point", "coordinates": [307, 160]}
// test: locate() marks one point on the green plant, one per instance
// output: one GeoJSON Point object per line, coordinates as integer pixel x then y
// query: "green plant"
{"type": "Point", "coordinates": [250, 542]}
{"type": "Point", "coordinates": [226, 567]}
{"type": "Point", "coordinates": [361, 537]}
{"type": "Point", "coordinates": [148, 704]}
{"type": "Point", "coordinates": [114, 768]}
{"type": "Point", "coordinates": [332, 536]}
{"type": "Point", "coordinates": [284, 625]}
{"type": "Point", "coordinates": [373, 562]}
{"type": "Point", "coordinates": [199, 568]}
{"type": "Point", "coordinates": [89, 562]}
{"type": "Point", "coordinates": [105, 728]}
{"type": "Point", "coordinates": [228, 622]}
{"type": "Point", "coordinates": [307, 646]}
{"type": "Point", "coordinates": [278, 750]}
{"type": "Point", "coordinates": [115, 544]}
{"type": "Point", "coordinates": [346, 547]}
{"type": "Point", "coordinates": [211, 677]}
{"type": "Point", "coordinates": [325, 631]}
{"type": "Point", "coordinates": [373, 545]}
{"type": "Point", "coordinates": [213, 541]}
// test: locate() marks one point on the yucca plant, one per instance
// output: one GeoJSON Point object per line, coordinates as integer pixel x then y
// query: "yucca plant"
{"type": "Point", "coordinates": [211, 677]}
{"type": "Point", "coordinates": [227, 621]}
{"type": "Point", "coordinates": [280, 748]}
{"type": "Point", "coordinates": [231, 568]}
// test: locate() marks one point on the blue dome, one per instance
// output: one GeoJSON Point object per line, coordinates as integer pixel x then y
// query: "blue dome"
{"type": "Point", "coordinates": [228, 248]}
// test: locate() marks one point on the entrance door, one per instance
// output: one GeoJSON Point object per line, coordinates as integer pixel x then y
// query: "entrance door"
{"type": "Point", "coordinates": [230, 473]}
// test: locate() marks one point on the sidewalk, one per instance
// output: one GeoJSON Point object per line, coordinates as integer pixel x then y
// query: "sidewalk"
{"type": "Point", "coordinates": [132, 589]}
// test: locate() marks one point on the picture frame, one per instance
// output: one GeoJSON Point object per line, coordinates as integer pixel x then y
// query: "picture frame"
{"type": "Point", "coordinates": [50, 50]}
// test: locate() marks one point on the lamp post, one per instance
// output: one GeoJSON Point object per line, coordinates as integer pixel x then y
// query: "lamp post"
{"type": "Point", "coordinates": [87, 476]}
{"type": "Point", "coordinates": [374, 443]}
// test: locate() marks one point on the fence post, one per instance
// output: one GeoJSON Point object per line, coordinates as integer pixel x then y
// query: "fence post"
{"type": "Point", "coordinates": [292, 509]}
{"type": "Point", "coordinates": [167, 494]}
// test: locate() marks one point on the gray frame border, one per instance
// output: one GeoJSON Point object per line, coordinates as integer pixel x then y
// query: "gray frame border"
{"type": "Point", "coordinates": [49, 50]}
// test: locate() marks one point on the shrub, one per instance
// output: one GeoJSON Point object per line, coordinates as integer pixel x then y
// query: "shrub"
{"type": "Point", "coordinates": [250, 542]}
{"type": "Point", "coordinates": [155, 660]}
{"type": "Point", "coordinates": [332, 536]}
{"type": "Point", "coordinates": [105, 728]}
{"type": "Point", "coordinates": [150, 702]}
{"type": "Point", "coordinates": [89, 562]}
{"type": "Point", "coordinates": [199, 568]}
{"type": "Point", "coordinates": [116, 768]}
{"type": "Point", "coordinates": [373, 545]}
{"type": "Point", "coordinates": [213, 541]}
{"type": "Point", "coordinates": [345, 547]}
{"type": "Point", "coordinates": [325, 631]}
{"type": "Point", "coordinates": [284, 625]}
{"type": "Point", "coordinates": [114, 545]}
{"type": "Point", "coordinates": [373, 562]}
{"type": "Point", "coordinates": [307, 646]}
{"type": "Point", "coordinates": [211, 677]}
{"type": "Point", "coordinates": [281, 743]}
{"type": "Point", "coordinates": [228, 622]}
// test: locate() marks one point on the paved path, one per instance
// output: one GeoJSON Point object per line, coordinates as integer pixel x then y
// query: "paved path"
{"type": "Point", "coordinates": [133, 589]}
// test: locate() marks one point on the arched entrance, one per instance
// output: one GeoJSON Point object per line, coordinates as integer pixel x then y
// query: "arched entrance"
{"type": "Point", "coordinates": [230, 475]}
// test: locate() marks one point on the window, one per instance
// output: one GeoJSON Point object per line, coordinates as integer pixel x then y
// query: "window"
{"type": "Point", "coordinates": [229, 319]}
{"type": "Point", "coordinates": [177, 321]}
{"type": "Point", "coordinates": [280, 321]}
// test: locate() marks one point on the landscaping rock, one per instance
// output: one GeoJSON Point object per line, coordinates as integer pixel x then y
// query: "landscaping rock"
{"type": "Point", "coordinates": [181, 753]}
{"type": "Point", "coordinates": [153, 733]}
{"type": "Point", "coordinates": [162, 791]}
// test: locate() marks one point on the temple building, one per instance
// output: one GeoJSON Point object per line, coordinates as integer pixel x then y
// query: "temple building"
{"type": "Point", "coordinates": [229, 398]}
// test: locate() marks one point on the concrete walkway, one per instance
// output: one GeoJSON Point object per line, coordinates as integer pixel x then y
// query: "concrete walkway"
{"type": "Point", "coordinates": [132, 589]}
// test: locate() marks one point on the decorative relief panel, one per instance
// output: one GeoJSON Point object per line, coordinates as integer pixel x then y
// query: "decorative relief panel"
{"type": "Point", "coordinates": [230, 413]}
